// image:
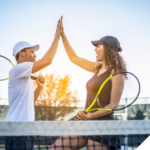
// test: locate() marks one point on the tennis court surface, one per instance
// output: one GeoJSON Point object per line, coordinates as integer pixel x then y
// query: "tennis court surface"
{"type": "Point", "coordinates": [131, 133]}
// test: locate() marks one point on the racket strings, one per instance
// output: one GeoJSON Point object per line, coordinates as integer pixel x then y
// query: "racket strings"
{"type": "Point", "coordinates": [130, 90]}
{"type": "Point", "coordinates": [5, 67]}
{"type": "Point", "coordinates": [126, 90]}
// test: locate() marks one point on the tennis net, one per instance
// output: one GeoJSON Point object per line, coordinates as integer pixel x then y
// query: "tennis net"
{"type": "Point", "coordinates": [70, 135]}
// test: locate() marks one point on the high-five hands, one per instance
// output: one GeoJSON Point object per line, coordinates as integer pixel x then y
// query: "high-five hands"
{"type": "Point", "coordinates": [61, 27]}
{"type": "Point", "coordinates": [58, 30]}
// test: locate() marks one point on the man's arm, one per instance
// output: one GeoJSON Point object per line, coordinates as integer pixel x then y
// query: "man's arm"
{"type": "Point", "coordinates": [48, 57]}
{"type": "Point", "coordinates": [40, 82]}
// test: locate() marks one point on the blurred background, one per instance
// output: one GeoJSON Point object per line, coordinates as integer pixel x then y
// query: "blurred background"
{"type": "Point", "coordinates": [65, 90]}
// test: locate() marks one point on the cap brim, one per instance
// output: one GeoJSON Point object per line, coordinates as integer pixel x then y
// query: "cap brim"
{"type": "Point", "coordinates": [36, 47]}
{"type": "Point", "coordinates": [96, 43]}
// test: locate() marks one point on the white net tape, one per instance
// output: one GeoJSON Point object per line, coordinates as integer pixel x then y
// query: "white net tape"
{"type": "Point", "coordinates": [56, 128]}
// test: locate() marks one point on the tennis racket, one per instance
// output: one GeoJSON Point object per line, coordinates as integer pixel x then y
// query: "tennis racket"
{"type": "Point", "coordinates": [114, 91]}
{"type": "Point", "coordinates": [5, 66]}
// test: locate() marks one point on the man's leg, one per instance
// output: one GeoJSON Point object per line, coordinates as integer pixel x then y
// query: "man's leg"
{"type": "Point", "coordinates": [19, 142]}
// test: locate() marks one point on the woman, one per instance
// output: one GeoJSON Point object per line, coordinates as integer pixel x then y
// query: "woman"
{"type": "Point", "coordinates": [108, 62]}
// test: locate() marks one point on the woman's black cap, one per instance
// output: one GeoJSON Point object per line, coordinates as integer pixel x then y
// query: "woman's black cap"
{"type": "Point", "coordinates": [109, 40]}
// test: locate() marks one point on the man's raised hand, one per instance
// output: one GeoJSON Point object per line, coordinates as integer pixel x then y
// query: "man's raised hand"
{"type": "Point", "coordinates": [58, 30]}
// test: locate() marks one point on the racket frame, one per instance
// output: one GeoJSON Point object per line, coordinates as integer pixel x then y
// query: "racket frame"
{"type": "Point", "coordinates": [10, 62]}
{"type": "Point", "coordinates": [101, 87]}
{"type": "Point", "coordinates": [32, 77]}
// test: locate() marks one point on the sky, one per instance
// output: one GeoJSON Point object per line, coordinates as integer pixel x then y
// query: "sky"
{"type": "Point", "coordinates": [35, 22]}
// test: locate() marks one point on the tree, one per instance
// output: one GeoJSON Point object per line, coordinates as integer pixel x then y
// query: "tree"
{"type": "Point", "coordinates": [56, 98]}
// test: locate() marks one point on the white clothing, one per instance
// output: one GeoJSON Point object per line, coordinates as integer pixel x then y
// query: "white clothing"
{"type": "Point", "coordinates": [21, 93]}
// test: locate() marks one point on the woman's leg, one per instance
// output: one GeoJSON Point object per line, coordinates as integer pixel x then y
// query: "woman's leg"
{"type": "Point", "coordinates": [92, 145]}
{"type": "Point", "coordinates": [69, 143]}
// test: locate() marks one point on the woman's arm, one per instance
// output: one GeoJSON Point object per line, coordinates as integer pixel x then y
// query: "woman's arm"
{"type": "Point", "coordinates": [81, 62]}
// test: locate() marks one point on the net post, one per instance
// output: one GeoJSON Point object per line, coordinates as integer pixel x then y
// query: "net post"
{"type": "Point", "coordinates": [126, 118]}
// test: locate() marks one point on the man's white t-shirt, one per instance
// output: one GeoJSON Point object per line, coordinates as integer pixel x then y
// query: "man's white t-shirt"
{"type": "Point", "coordinates": [21, 93]}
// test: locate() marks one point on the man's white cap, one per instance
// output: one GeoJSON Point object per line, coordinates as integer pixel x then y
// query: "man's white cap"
{"type": "Point", "coordinates": [21, 45]}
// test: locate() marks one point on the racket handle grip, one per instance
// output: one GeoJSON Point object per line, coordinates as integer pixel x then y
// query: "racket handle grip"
{"type": "Point", "coordinates": [85, 112]}
{"type": "Point", "coordinates": [33, 78]}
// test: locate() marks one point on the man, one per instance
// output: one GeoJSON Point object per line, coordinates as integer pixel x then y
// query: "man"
{"type": "Point", "coordinates": [20, 89]}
